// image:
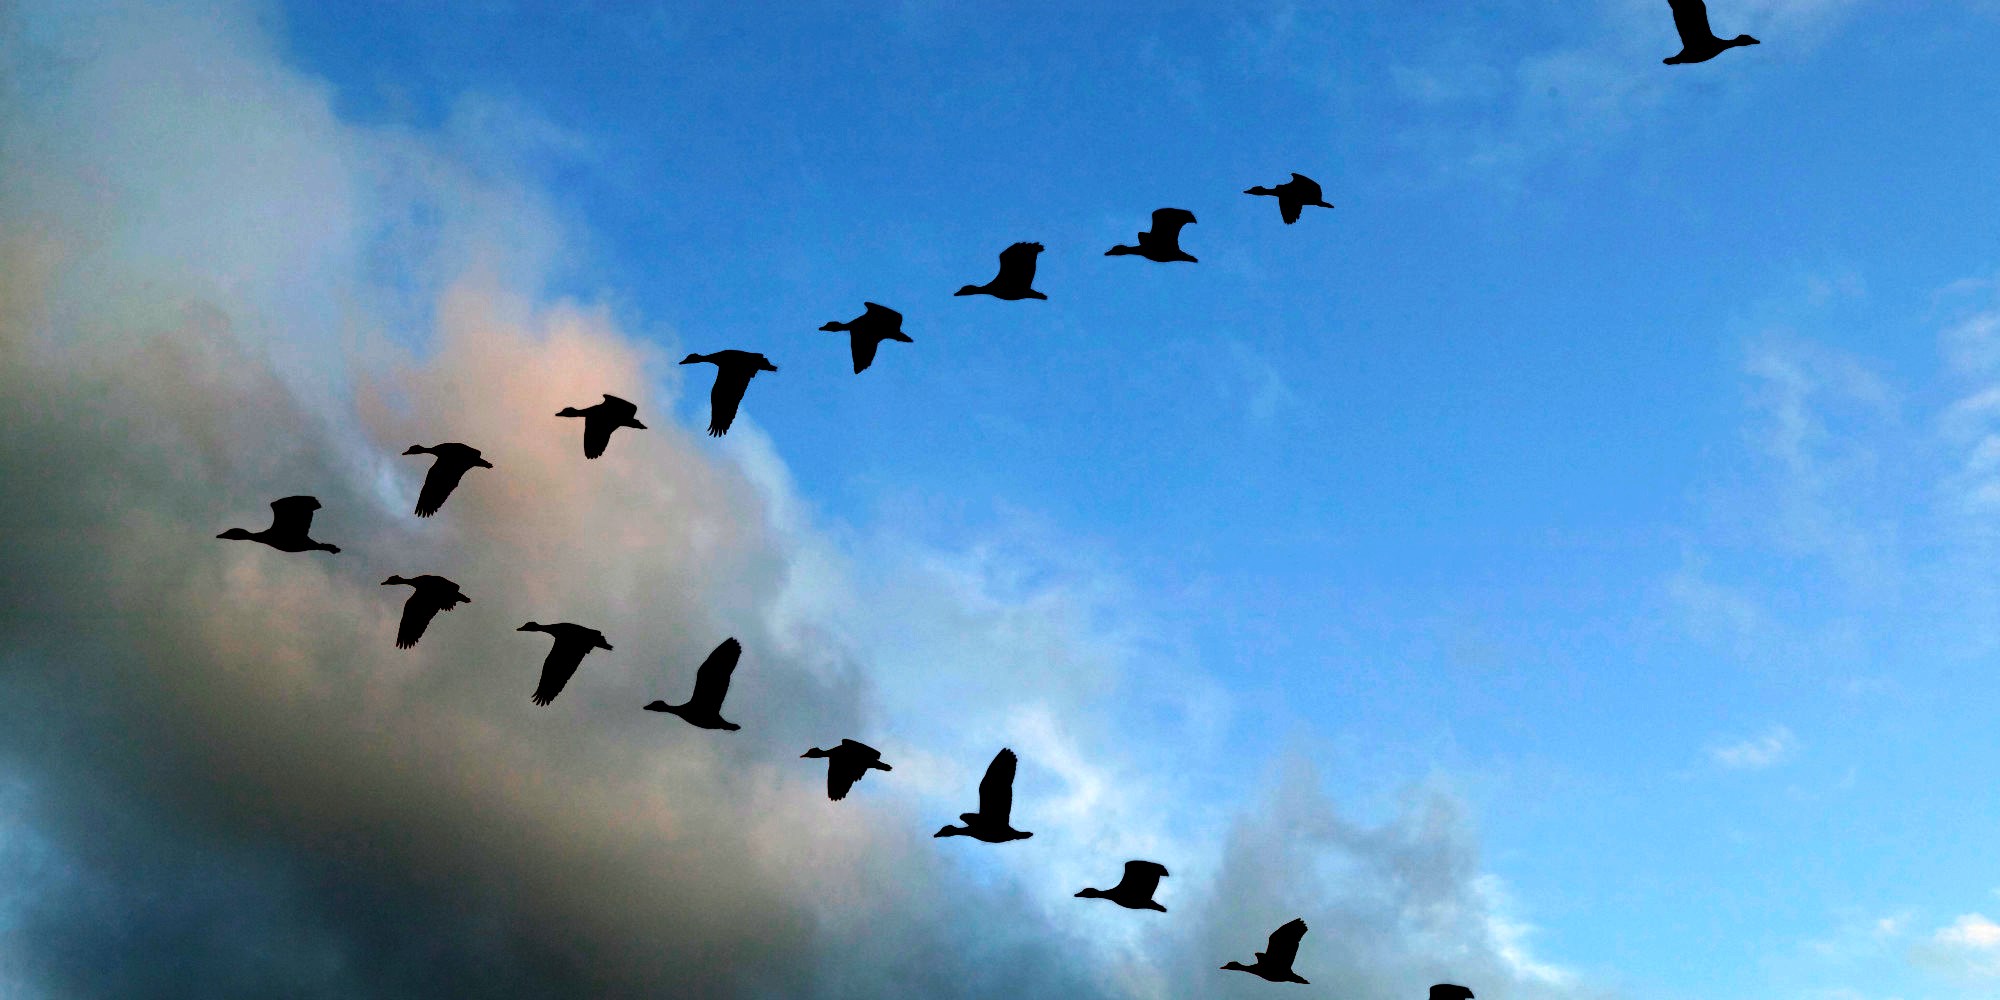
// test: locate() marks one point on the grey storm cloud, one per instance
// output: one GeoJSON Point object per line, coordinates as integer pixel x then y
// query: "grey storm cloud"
{"type": "Point", "coordinates": [220, 777]}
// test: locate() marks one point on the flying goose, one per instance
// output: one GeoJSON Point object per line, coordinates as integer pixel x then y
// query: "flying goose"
{"type": "Point", "coordinates": [600, 420]}
{"type": "Point", "coordinates": [1275, 962]}
{"type": "Point", "coordinates": [573, 642]}
{"type": "Point", "coordinates": [1135, 890]}
{"type": "Point", "coordinates": [291, 521]}
{"type": "Point", "coordinates": [430, 595]}
{"type": "Point", "coordinates": [868, 330]}
{"type": "Point", "coordinates": [847, 764]}
{"type": "Point", "coordinates": [1293, 196]}
{"type": "Point", "coordinates": [996, 800]}
{"type": "Point", "coordinates": [733, 372]}
{"type": "Point", "coordinates": [711, 685]}
{"type": "Point", "coordinates": [454, 460]}
{"type": "Point", "coordinates": [1698, 42]}
{"type": "Point", "coordinates": [1017, 273]}
{"type": "Point", "coordinates": [1163, 242]}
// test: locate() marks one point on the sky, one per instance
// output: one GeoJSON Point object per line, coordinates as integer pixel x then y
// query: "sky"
{"type": "Point", "coordinates": [1569, 567]}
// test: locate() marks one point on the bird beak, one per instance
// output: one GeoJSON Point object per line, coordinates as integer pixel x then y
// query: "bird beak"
{"type": "Point", "coordinates": [638, 425]}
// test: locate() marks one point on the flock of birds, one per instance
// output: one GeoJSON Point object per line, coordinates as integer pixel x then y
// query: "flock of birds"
{"type": "Point", "coordinates": [851, 760]}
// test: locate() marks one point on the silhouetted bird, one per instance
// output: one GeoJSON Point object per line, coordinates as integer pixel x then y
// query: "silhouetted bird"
{"type": "Point", "coordinates": [733, 372]}
{"type": "Point", "coordinates": [996, 800]}
{"type": "Point", "coordinates": [1274, 963]}
{"type": "Point", "coordinates": [1135, 890]}
{"type": "Point", "coordinates": [454, 460]}
{"type": "Point", "coordinates": [1017, 273]}
{"type": "Point", "coordinates": [870, 329]}
{"type": "Point", "coordinates": [291, 520]}
{"type": "Point", "coordinates": [1293, 196]}
{"type": "Point", "coordinates": [711, 685]}
{"type": "Point", "coordinates": [1450, 991]}
{"type": "Point", "coordinates": [846, 764]}
{"type": "Point", "coordinates": [431, 595]}
{"type": "Point", "coordinates": [600, 420]}
{"type": "Point", "coordinates": [1698, 42]}
{"type": "Point", "coordinates": [573, 642]}
{"type": "Point", "coordinates": [1163, 242]}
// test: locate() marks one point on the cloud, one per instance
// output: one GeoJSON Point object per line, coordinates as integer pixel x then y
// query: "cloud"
{"type": "Point", "coordinates": [1966, 949]}
{"type": "Point", "coordinates": [1774, 747]}
{"type": "Point", "coordinates": [223, 779]}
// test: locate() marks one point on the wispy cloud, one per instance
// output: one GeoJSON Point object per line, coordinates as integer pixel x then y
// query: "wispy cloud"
{"type": "Point", "coordinates": [1774, 747]}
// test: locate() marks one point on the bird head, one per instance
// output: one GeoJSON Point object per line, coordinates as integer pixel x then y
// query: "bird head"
{"type": "Point", "coordinates": [1091, 894]}
{"type": "Point", "coordinates": [481, 463]}
{"type": "Point", "coordinates": [417, 449]}
{"type": "Point", "coordinates": [237, 534]}
{"type": "Point", "coordinates": [693, 359]}
{"type": "Point", "coordinates": [569, 411]}
{"type": "Point", "coordinates": [531, 627]}
{"type": "Point", "coordinates": [1236, 967]}
{"type": "Point", "coordinates": [837, 326]}
{"type": "Point", "coordinates": [656, 706]}
{"type": "Point", "coordinates": [968, 290]}
{"type": "Point", "coordinates": [1744, 40]}
{"type": "Point", "coordinates": [949, 831]}
{"type": "Point", "coordinates": [394, 580]}
{"type": "Point", "coordinates": [815, 752]}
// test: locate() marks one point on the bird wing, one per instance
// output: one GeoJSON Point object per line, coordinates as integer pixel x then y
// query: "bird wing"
{"type": "Point", "coordinates": [417, 613]}
{"type": "Point", "coordinates": [1142, 876]}
{"type": "Point", "coordinates": [864, 347]}
{"type": "Point", "coordinates": [730, 384]}
{"type": "Point", "coordinates": [841, 774]}
{"type": "Point", "coordinates": [996, 790]}
{"type": "Point", "coordinates": [438, 484]}
{"type": "Point", "coordinates": [1290, 209]}
{"type": "Point", "coordinates": [293, 515]}
{"type": "Point", "coordinates": [1017, 264]}
{"type": "Point", "coordinates": [711, 679]}
{"type": "Point", "coordinates": [564, 657]}
{"type": "Point", "coordinates": [882, 314]}
{"type": "Point", "coordinates": [865, 751]}
{"type": "Point", "coordinates": [1691, 20]}
{"type": "Point", "coordinates": [1167, 222]}
{"type": "Point", "coordinates": [1284, 944]}
{"type": "Point", "coordinates": [597, 428]}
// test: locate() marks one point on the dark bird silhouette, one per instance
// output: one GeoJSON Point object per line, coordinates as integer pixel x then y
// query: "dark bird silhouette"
{"type": "Point", "coordinates": [1017, 273]}
{"type": "Point", "coordinates": [1135, 890]}
{"type": "Point", "coordinates": [996, 800]}
{"type": "Point", "coordinates": [868, 330]}
{"type": "Point", "coordinates": [1450, 991]}
{"type": "Point", "coordinates": [1274, 963]}
{"type": "Point", "coordinates": [711, 685]}
{"type": "Point", "coordinates": [454, 460]}
{"type": "Point", "coordinates": [1163, 242]}
{"type": "Point", "coordinates": [431, 594]}
{"type": "Point", "coordinates": [291, 521]}
{"type": "Point", "coordinates": [1293, 196]}
{"type": "Point", "coordinates": [573, 642]}
{"type": "Point", "coordinates": [733, 372]}
{"type": "Point", "coordinates": [846, 764]}
{"type": "Point", "coordinates": [1698, 42]}
{"type": "Point", "coordinates": [600, 420]}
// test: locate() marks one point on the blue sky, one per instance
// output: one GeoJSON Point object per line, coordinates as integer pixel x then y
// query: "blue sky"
{"type": "Point", "coordinates": [1611, 458]}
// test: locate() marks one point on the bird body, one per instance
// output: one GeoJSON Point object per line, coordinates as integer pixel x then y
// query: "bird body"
{"type": "Point", "coordinates": [1274, 963]}
{"type": "Point", "coordinates": [1450, 991]}
{"type": "Point", "coordinates": [1016, 278]}
{"type": "Point", "coordinates": [1135, 890]}
{"type": "Point", "coordinates": [1162, 243]}
{"type": "Point", "coordinates": [291, 526]}
{"type": "Point", "coordinates": [429, 595]}
{"type": "Point", "coordinates": [1698, 41]}
{"type": "Point", "coordinates": [600, 420]}
{"type": "Point", "coordinates": [572, 644]}
{"type": "Point", "coordinates": [1293, 196]}
{"type": "Point", "coordinates": [847, 764]}
{"type": "Point", "coordinates": [454, 460]}
{"type": "Point", "coordinates": [733, 372]}
{"type": "Point", "coordinates": [996, 802]}
{"type": "Point", "coordinates": [868, 330]}
{"type": "Point", "coordinates": [711, 685]}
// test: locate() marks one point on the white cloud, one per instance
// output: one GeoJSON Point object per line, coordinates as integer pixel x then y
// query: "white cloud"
{"type": "Point", "coordinates": [1773, 747]}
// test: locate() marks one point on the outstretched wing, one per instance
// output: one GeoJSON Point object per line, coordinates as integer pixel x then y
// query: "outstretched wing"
{"type": "Point", "coordinates": [293, 515]}
{"type": "Point", "coordinates": [1143, 876]}
{"type": "Point", "coordinates": [730, 384]}
{"type": "Point", "coordinates": [1284, 944]}
{"type": "Point", "coordinates": [996, 790]}
{"type": "Point", "coordinates": [559, 668]}
{"type": "Point", "coordinates": [438, 484]}
{"type": "Point", "coordinates": [417, 614]}
{"type": "Point", "coordinates": [1691, 20]}
{"type": "Point", "coordinates": [711, 679]}
{"type": "Point", "coordinates": [1290, 207]}
{"type": "Point", "coordinates": [1167, 222]}
{"type": "Point", "coordinates": [597, 428]}
{"type": "Point", "coordinates": [1017, 264]}
{"type": "Point", "coordinates": [841, 774]}
{"type": "Point", "coordinates": [864, 350]}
